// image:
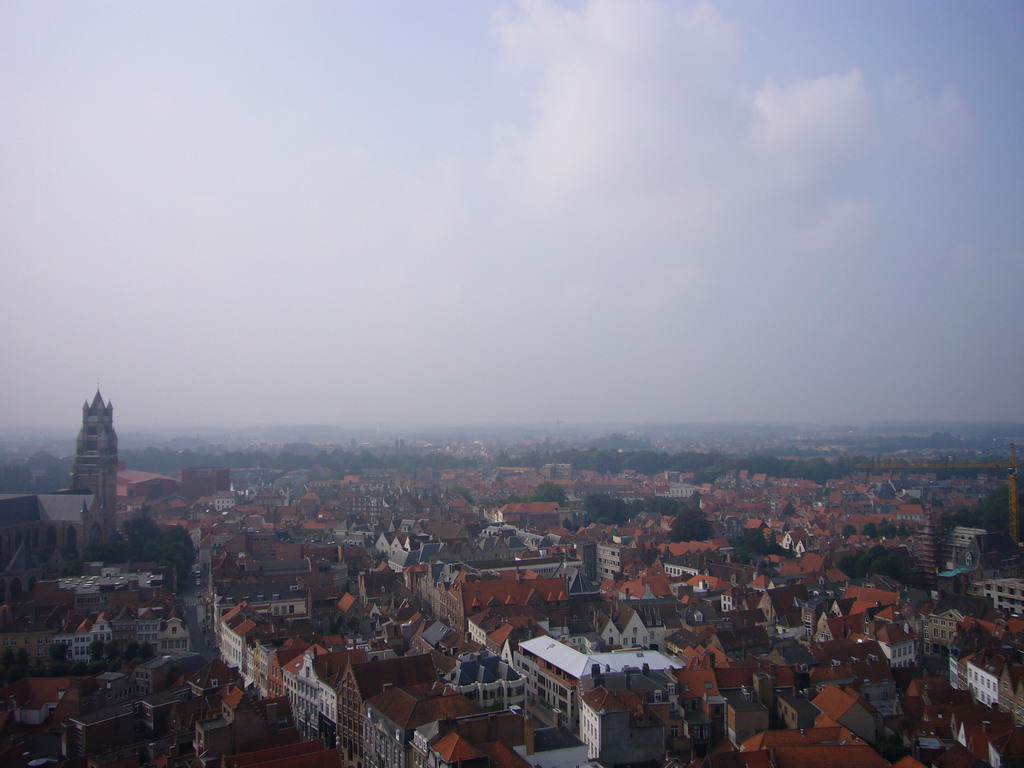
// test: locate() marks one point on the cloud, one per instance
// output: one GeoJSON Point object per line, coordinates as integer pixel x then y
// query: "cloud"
{"type": "Point", "coordinates": [572, 209]}
{"type": "Point", "coordinates": [804, 128]}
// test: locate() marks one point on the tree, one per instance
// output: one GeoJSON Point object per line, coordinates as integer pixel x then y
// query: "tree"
{"type": "Point", "coordinates": [870, 530]}
{"type": "Point", "coordinates": [602, 508]}
{"type": "Point", "coordinates": [848, 565]}
{"type": "Point", "coordinates": [458, 490]}
{"type": "Point", "coordinates": [548, 491]}
{"type": "Point", "coordinates": [59, 652]}
{"type": "Point", "coordinates": [848, 530]}
{"type": "Point", "coordinates": [146, 651]}
{"type": "Point", "coordinates": [96, 650]}
{"type": "Point", "coordinates": [888, 531]}
{"type": "Point", "coordinates": [690, 525]}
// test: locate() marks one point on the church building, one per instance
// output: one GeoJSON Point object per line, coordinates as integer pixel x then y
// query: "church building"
{"type": "Point", "coordinates": [41, 532]}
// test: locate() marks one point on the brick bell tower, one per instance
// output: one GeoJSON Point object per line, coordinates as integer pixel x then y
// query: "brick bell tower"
{"type": "Point", "coordinates": [95, 468]}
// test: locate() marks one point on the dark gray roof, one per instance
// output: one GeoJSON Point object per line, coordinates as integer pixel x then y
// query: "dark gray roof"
{"type": "Point", "coordinates": [548, 739]}
{"type": "Point", "coordinates": [435, 633]}
{"type": "Point", "coordinates": [581, 585]}
{"type": "Point", "coordinates": [22, 561]}
{"type": "Point", "coordinates": [486, 669]}
{"type": "Point", "coordinates": [22, 509]}
{"type": "Point", "coordinates": [794, 654]}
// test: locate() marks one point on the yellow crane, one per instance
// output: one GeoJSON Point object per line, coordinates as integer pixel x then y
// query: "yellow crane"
{"type": "Point", "coordinates": [1011, 472]}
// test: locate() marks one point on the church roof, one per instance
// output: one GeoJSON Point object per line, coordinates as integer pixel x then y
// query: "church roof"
{"type": "Point", "coordinates": [97, 401]}
{"type": "Point", "coordinates": [22, 509]}
{"type": "Point", "coordinates": [22, 561]}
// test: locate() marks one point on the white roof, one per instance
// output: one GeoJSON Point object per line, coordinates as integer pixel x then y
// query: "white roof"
{"type": "Point", "coordinates": [578, 665]}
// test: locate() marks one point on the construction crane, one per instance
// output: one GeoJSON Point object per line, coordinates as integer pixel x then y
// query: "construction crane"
{"type": "Point", "coordinates": [1011, 473]}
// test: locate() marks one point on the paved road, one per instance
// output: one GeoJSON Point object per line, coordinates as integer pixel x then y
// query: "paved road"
{"type": "Point", "coordinates": [194, 614]}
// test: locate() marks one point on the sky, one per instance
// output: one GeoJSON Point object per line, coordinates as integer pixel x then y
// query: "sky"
{"type": "Point", "coordinates": [237, 213]}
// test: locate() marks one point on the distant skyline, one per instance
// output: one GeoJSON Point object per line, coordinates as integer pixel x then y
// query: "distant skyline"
{"type": "Point", "coordinates": [511, 212]}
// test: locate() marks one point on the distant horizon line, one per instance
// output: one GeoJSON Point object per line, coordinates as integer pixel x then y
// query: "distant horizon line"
{"type": "Point", "coordinates": [188, 428]}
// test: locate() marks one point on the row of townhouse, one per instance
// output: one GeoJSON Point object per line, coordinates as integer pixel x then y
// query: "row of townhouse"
{"type": "Point", "coordinates": [34, 637]}
{"type": "Point", "coordinates": [992, 678]}
{"type": "Point", "coordinates": [170, 635]}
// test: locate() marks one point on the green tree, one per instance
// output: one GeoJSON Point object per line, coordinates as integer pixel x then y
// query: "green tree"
{"type": "Point", "coordinates": [59, 652]}
{"type": "Point", "coordinates": [690, 525]}
{"type": "Point", "coordinates": [96, 650]}
{"type": "Point", "coordinates": [870, 530]}
{"type": "Point", "coordinates": [146, 651]}
{"type": "Point", "coordinates": [848, 565]}
{"type": "Point", "coordinates": [849, 530]}
{"type": "Point", "coordinates": [459, 490]}
{"type": "Point", "coordinates": [888, 531]}
{"type": "Point", "coordinates": [891, 748]}
{"type": "Point", "coordinates": [548, 491]}
{"type": "Point", "coordinates": [609, 510]}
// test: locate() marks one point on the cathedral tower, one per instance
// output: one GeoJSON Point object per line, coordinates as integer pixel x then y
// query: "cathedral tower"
{"type": "Point", "coordinates": [95, 467]}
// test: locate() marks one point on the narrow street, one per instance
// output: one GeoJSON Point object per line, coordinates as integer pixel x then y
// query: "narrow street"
{"type": "Point", "coordinates": [195, 614]}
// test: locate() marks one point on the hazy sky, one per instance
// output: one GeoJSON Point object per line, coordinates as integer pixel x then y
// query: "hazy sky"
{"type": "Point", "coordinates": [335, 212]}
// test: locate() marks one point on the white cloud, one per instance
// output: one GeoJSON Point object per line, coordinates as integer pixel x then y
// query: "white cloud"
{"type": "Point", "coordinates": [806, 127]}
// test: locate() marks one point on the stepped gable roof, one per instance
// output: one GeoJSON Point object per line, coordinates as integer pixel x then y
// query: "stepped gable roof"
{"type": "Point", "coordinates": [908, 762]}
{"type": "Point", "coordinates": [723, 759]}
{"type": "Point", "coordinates": [214, 674]}
{"type": "Point", "coordinates": [892, 634]}
{"type": "Point", "coordinates": [454, 749]}
{"type": "Point", "coordinates": [329, 666]}
{"type": "Point", "coordinates": [477, 595]}
{"type": "Point", "coordinates": [324, 758]}
{"type": "Point", "coordinates": [503, 757]}
{"type": "Point", "coordinates": [601, 699]}
{"type": "Point", "coordinates": [1010, 744]}
{"type": "Point", "coordinates": [833, 702]}
{"type": "Point", "coordinates": [371, 676]}
{"type": "Point", "coordinates": [409, 707]}
{"type": "Point", "coordinates": [919, 685]}
{"type": "Point", "coordinates": [346, 602]}
{"type": "Point", "coordinates": [832, 734]}
{"type": "Point", "coordinates": [957, 756]}
{"type": "Point", "coordinates": [232, 696]}
{"type": "Point", "coordinates": [696, 682]}
{"type": "Point", "coordinates": [834, 756]}
{"type": "Point", "coordinates": [35, 692]}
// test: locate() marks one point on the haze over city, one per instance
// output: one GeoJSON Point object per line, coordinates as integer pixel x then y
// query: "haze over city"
{"type": "Point", "coordinates": [499, 212]}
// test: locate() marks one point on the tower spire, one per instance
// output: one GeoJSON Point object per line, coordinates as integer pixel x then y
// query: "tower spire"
{"type": "Point", "coordinates": [95, 467]}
